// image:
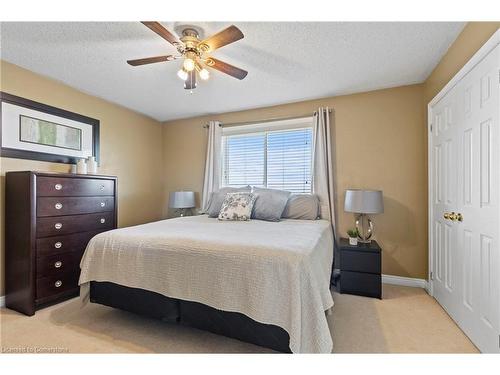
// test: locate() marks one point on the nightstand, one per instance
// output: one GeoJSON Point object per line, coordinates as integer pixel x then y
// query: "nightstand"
{"type": "Point", "coordinates": [360, 269]}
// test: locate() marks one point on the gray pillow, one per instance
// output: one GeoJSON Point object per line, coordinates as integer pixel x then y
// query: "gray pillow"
{"type": "Point", "coordinates": [217, 198]}
{"type": "Point", "coordinates": [269, 204]}
{"type": "Point", "coordinates": [302, 206]}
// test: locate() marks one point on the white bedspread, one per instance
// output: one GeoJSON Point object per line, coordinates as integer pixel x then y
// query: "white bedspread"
{"type": "Point", "coordinates": [275, 273]}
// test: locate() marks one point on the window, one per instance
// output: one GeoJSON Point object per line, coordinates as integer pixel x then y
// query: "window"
{"type": "Point", "coordinates": [276, 155]}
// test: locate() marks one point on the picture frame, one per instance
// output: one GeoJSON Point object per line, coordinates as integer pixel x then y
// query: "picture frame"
{"type": "Point", "coordinates": [36, 131]}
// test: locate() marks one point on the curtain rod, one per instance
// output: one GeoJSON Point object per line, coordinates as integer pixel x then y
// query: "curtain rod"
{"type": "Point", "coordinates": [270, 119]}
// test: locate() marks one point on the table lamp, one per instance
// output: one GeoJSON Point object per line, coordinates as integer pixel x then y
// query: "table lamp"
{"type": "Point", "coordinates": [362, 203]}
{"type": "Point", "coordinates": [181, 200]}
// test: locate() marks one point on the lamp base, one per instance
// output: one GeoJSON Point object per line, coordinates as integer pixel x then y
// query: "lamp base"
{"type": "Point", "coordinates": [365, 228]}
{"type": "Point", "coordinates": [181, 212]}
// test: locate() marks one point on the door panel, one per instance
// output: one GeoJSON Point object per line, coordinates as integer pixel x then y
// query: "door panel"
{"type": "Point", "coordinates": [445, 145]}
{"type": "Point", "coordinates": [466, 174]}
{"type": "Point", "coordinates": [468, 270]}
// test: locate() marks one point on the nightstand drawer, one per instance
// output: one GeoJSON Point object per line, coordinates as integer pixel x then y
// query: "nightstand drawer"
{"type": "Point", "coordinates": [360, 261]}
{"type": "Point", "coordinates": [363, 284]}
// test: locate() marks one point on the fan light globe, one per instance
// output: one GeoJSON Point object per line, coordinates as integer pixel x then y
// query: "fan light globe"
{"type": "Point", "coordinates": [182, 74]}
{"type": "Point", "coordinates": [204, 74]}
{"type": "Point", "coordinates": [188, 64]}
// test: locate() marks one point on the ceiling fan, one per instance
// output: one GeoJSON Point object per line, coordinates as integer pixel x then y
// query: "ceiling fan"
{"type": "Point", "coordinates": [195, 53]}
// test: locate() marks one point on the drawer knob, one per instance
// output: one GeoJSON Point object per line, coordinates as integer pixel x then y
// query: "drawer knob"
{"type": "Point", "coordinates": [58, 225]}
{"type": "Point", "coordinates": [58, 245]}
{"type": "Point", "coordinates": [58, 206]}
{"type": "Point", "coordinates": [58, 264]}
{"type": "Point", "coordinates": [58, 283]}
{"type": "Point", "coordinates": [102, 187]}
{"type": "Point", "coordinates": [103, 204]}
{"type": "Point", "coordinates": [58, 186]}
{"type": "Point", "coordinates": [103, 220]}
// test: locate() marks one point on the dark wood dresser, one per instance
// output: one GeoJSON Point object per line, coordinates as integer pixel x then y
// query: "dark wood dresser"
{"type": "Point", "coordinates": [49, 219]}
{"type": "Point", "coordinates": [360, 269]}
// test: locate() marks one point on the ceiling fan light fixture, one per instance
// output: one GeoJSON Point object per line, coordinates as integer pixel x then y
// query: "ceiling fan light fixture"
{"type": "Point", "coordinates": [189, 63]}
{"type": "Point", "coordinates": [182, 74]}
{"type": "Point", "coordinates": [204, 74]}
{"type": "Point", "coordinates": [193, 52]}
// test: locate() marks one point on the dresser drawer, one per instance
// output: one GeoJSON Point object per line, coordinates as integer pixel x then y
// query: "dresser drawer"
{"type": "Point", "coordinates": [54, 226]}
{"type": "Point", "coordinates": [360, 261]}
{"type": "Point", "coordinates": [57, 206]}
{"type": "Point", "coordinates": [59, 264]}
{"type": "Point", "coordinates": [63, 187]}
{"type": "Point", "coordinates": [61, 244]}
{"type": "Point", "coordinates": [56, 284]}
{"type": "Point", "coordinates": [363, 284]}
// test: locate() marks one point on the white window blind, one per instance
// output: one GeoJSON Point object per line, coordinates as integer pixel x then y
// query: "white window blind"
{"type": "Point", "coordinates": [277, 159]}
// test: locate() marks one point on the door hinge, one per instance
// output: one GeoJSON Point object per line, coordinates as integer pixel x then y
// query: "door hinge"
{"type": "Point", "coordinates": [431, 128]}
{"type": "Point", "coordinates": [431, 276]}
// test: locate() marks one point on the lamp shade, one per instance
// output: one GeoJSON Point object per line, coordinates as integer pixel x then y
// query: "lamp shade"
{"type": "Point", "coordinates": [181, 199]}
{"type": "Point", "coordinates": [364, 201]}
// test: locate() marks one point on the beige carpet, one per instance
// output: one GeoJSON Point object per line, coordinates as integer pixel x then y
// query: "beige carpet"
{"type": "Point", "coordinates": [407, 320]}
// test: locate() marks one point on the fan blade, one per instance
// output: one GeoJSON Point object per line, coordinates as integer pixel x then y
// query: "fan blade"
{"type": "Point", "coordinates": [222, 38]}
{"type": "Point", "coordinates": [150, 60]}
{"type": "Point", "coordinates": [226, 68]}
{"type": "Point", "coordinates": [162, 31]}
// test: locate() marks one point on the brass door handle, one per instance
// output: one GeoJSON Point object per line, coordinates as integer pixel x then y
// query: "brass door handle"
{"type": "Point", "coordinates": [453, 216]}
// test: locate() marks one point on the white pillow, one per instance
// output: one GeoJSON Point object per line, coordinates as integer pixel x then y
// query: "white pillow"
{"type": "Point", "coordinates": [237, 207]}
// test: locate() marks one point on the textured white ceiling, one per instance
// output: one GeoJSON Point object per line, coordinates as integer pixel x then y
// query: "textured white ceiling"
{"type": "Point", "coordinates": [286, 62]}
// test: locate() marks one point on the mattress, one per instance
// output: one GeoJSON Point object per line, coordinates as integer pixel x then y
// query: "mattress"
{"type": "Point", "coordinates": [273, 272]}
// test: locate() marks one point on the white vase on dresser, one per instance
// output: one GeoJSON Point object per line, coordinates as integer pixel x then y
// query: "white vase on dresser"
{"type": "Point", "coordinates": [81, 166]}
{"type": "Point", "coordinates": [91, 165]}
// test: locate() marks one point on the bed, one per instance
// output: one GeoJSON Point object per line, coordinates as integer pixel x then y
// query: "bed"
{"type": "Point", "coordinates": [263, 282]}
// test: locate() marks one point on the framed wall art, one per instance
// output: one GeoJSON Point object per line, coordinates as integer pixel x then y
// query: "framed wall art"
{"type": "Point", "coordinates": [36, 131]}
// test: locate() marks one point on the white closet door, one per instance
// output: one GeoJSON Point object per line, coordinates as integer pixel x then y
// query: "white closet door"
{"type": "Point", "coordinates": [479, 194]}
{"type": "Point", "coordinates": [445, 167]}
{"type": "Point", "coordinates": [465, 162]}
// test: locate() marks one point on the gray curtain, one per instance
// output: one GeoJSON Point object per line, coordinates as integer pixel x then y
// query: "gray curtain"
{"type": "Point", "coordinates": [212, 177]}
{"type": "Point", "coordinates": [323, 183]}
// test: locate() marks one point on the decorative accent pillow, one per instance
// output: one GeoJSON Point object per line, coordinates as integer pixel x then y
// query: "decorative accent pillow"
{"type": "Point", "coordinates": [217, 198]}
{"type": "Point", "coordinates": [269, 204]}
{"type": "Point", "coordinates": [302, 206]}
{"type": "Point", "coordinates": [237, 207]}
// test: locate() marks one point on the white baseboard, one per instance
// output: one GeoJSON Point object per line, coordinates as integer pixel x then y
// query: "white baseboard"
{"type": "Point", "coordinates": [2, 301]}
{"type": "Point", "coordinates": [404, 281]}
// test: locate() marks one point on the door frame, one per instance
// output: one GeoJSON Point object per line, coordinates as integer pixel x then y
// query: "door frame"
{"type": "Point", "coordinates": [490, 45]}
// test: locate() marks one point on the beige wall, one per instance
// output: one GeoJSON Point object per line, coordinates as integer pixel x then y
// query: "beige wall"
{"type": "Point", "coordinates": [472, 37]}
{"type": "Point", "coordinates": [130, 147]}
{"type": "Point", "coordinates": [380, 138]}
{"type": "Point", "coordinates": [380, 142]}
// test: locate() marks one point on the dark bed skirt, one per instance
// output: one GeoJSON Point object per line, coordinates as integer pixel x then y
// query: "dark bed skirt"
{"type": "Point", "coordinates": [193, 314]}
